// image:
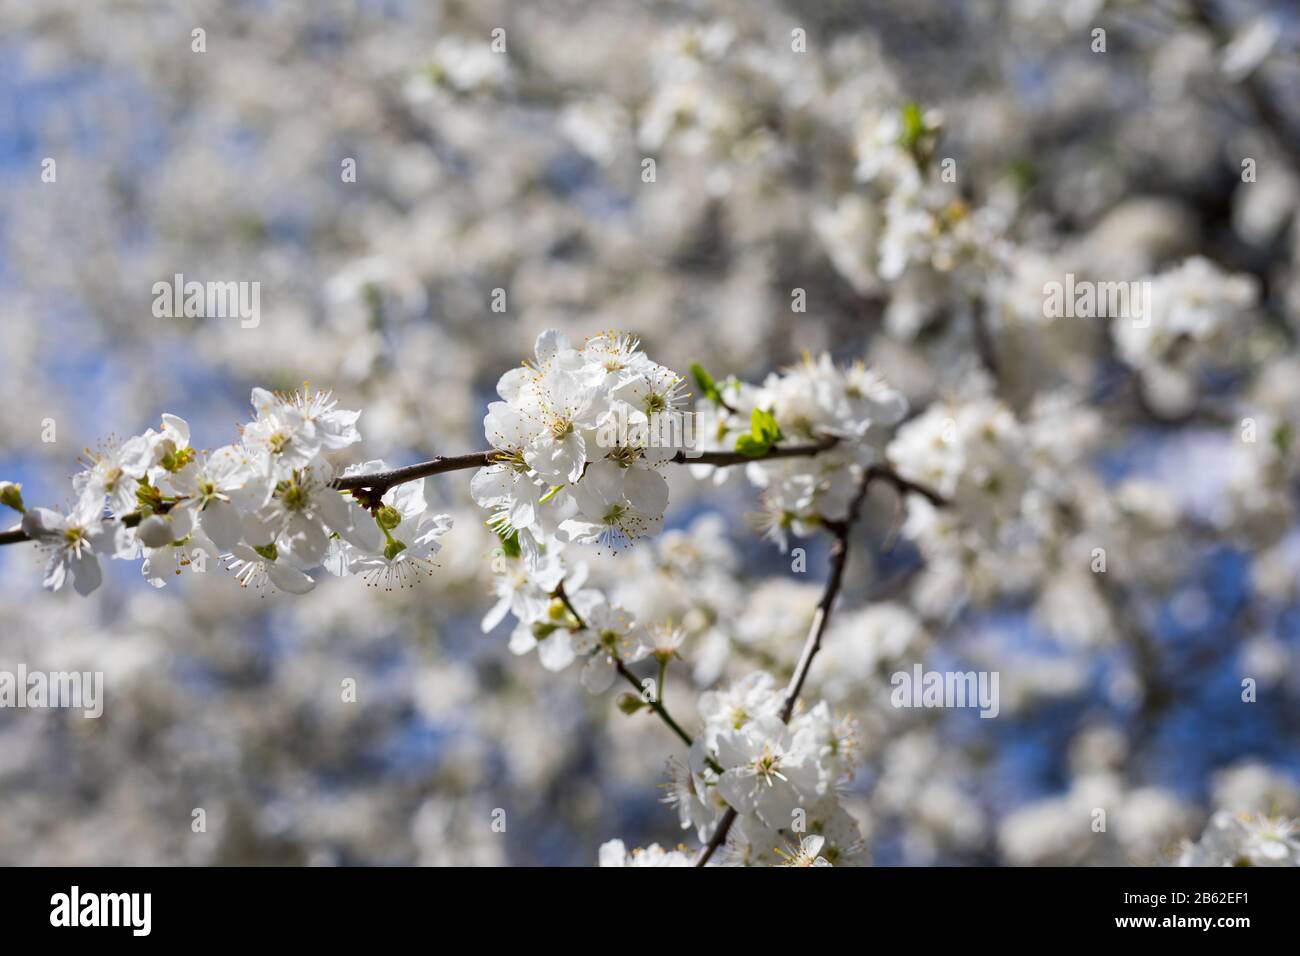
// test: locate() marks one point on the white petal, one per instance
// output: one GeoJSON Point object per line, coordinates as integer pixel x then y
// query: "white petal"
{"type": "Point", "coordinates": [220, 521]}
{"type": "Point", "coordinates": [646, 490]}
{"type": "Point", "coordinates": [155, 531]}
{"type": "Point", "coordinates": [556, 651]}
{"type": "Point", "coordinates": [550, 344]}
{"type": "Point", "coordinates": [598, 675]}
{"type": "Point", "coordinates": [332, 508]}
{"type": "Point", "coordinates": [496, 615]}
{"type": "Point", "coordinates": [522, 640]}
{"type": "Point", "coordinates": [289, 579]}
{"type": "Point", "coordinates": [56, 572]}
{"type": "Point", "coordinates": [39, 522]}
{"type": "Point", "coordinates": [86, 574]}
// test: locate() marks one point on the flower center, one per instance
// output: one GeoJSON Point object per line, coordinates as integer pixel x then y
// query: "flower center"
{"type": "Point", "coordinates": [293, 494]}
{"type": "Point", "coordinates": [768, 767]}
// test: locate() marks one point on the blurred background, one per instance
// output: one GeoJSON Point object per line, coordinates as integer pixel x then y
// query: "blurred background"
{"type": "Point", "coordinates": [523, 170]}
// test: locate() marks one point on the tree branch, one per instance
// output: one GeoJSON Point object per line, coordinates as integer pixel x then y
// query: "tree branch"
{"type": "Point", "coordinates": [723, 459]}
{"type": "Point", "coordinates": [839, 560]}
{"type": "Point", "coordinates": [371, 487]}
{"type": "Point", "coordinates": [904, 486]}
{"type": "Point", "coordinates": [381, 481]}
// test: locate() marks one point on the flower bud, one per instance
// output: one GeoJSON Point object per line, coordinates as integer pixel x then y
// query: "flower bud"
{"type": "Point", "coordinates": [11, 494]}
{"type": "Point", "coordinates": [630, 703]}
{"type": "Point", "coordinates": [155, 531]}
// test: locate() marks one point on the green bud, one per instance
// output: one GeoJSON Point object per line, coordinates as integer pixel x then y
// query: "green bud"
{"type": "Point", "coordinates": [393, 548]}
{"type": "Point", "coordinates": [913, 127]}
{"type": "Point", "coordinates": [630, 703]}
{"type": "Point", "coordinates": [542, 630]}
{"type": "Point", "coordinates": [388, 517]}
{"type": "Point", "coordinates": [174, 461]}
{"type": "Point", "coordinates": [11, 494]}
{"type": "Point", "coordinates": [147, 496]}
{"type": "Point", "coordinates": [1281, 439]}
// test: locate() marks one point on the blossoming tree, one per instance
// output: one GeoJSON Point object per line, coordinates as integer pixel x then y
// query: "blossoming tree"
{"type": "Point", "coordinates": [972, 357]}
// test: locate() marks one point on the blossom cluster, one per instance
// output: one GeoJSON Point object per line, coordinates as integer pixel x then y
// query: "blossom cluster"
{"type": "Point", "coordinates": [580, 435]}
{"type": "Point", "coordinates": [906, 228]}
{"type": "Point", "coordinates": [847, 409]}
{"type": "Point", "coordinates": [1240, 839]}
{"type": "Point", "coordinates": [1023, 510]}
{"type": "Point", "coordinates": [1196, 310]}
{"type": "Point", "coordinates": [556, 432]}
{"type": "Point", "coordinates": [264, 506]}
{"type": "Point", "coordinates": [780, 777]}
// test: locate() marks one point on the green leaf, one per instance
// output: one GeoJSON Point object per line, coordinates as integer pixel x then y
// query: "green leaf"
{"type": "Point", "coordinates": [509, 542]}
{"type": "Point", "coordinates": [704, 381]}
{"type": "Point", "coordinates": [751, 447]}
{"type": "Point", "coordinates": [1282, 439]}
{"type": "Point", "coordinates": [763, 426]}
{"type": "Point", "coordinates": [764, 432]}
{"type": "Point", "coordinates": [1023, 173]}
{"type": "Point", "coordinates": [913, 126]}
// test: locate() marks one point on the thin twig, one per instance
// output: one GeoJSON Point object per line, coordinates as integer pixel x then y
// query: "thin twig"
{"type": "Point", "coordinates": [839, 560]}
{"type": "Point", "coordinates": [719, 835]}
{"type": "Point", "coordinates": [903, 485]}
{"type": "Point", "coordinates": [984, 346]}
{"type": "Point", "coordinates": [723, 459]}
{"type": "Point", "coordinates": [657, 704]}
